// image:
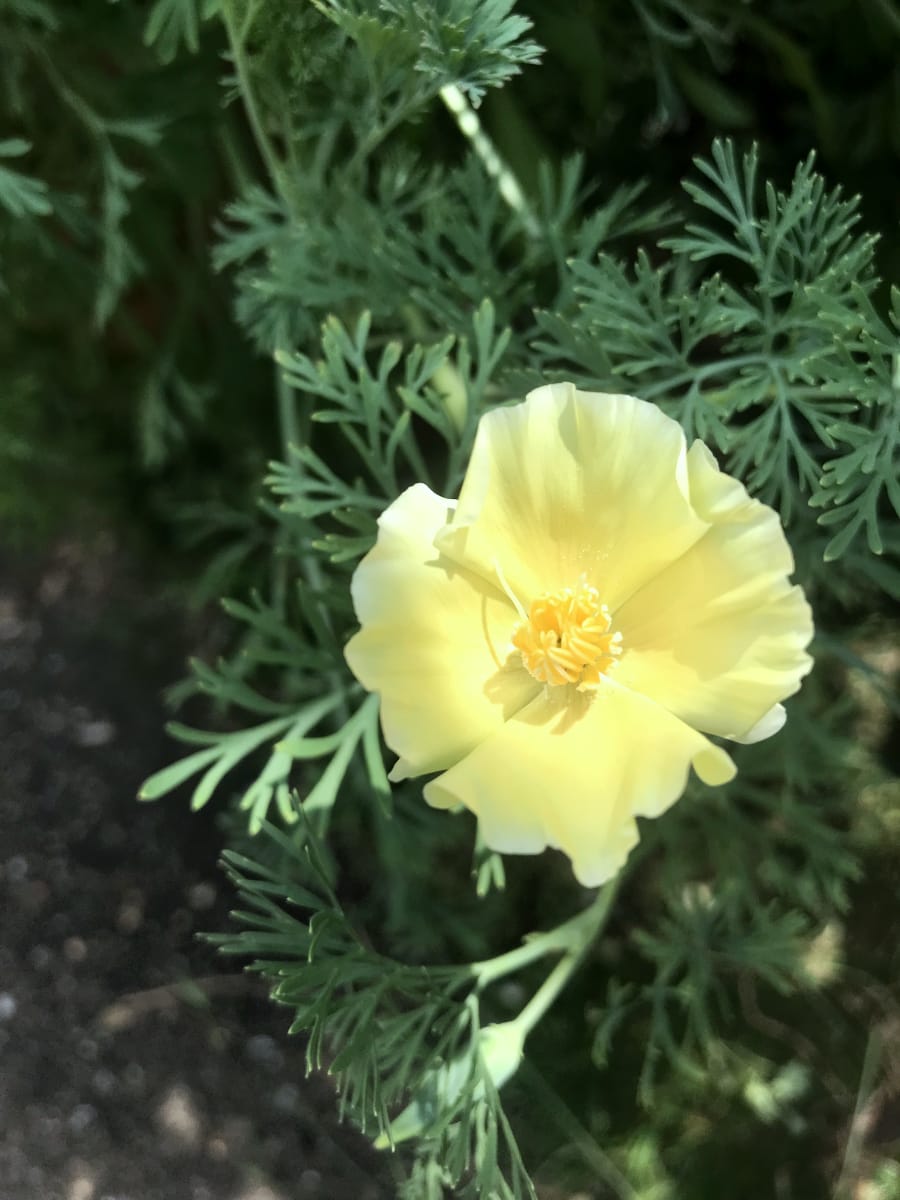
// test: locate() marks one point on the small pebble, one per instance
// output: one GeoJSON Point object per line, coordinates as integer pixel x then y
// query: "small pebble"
{"type": "Point", "coordinates": [92, 734]}
{"type": "Point", "coordinates": [40, 957]}
{"type": "Point", "coordinates": [261, 1192]}
{"type": "Point", "coordinates": [130, 917]}
{"type": "Point", "coordinates": [201, 896]}
{"type": "Point", "coordinates": [178, 1116]}
{"type": "Point", "coordinates": [11, 624]}
{"type": "Point", "coordinates": [264, 1051]}
{"type": "Point", "coordinates": [104, 1082]}
{"type": "Point", "coordinates": [87, 1049]}
{"type": "Point", "coordinates": [83, 1185]}
{"type": "Point", "coordinates": [286, 1098]}
{"type": "Point", "coordinates": [217, 1148]}
{"type": "Point", "coordinates": [75, 949]}
{"type": "Point", "coordinates": [16, 868]}
{"type": "Point", "coordinates": [310, 1182]}
{"type": "Point", "coordinates": [81, 1117]}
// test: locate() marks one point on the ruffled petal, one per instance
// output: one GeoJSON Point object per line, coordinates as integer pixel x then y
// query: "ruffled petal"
{"type": "Point", "coordinates": [433, 642]}
{"type": "Point", "coordinates": [767, 726]}
{"type": "Point", "coordinates": [574, 485]}
{"type": "Point", "coordinates": [573, 770]}
{"type": "Point", "coordinates": [719, 637]}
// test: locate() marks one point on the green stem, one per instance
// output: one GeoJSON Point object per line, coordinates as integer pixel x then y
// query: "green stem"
{"type": "Point", "coordinates": [237, 39]}
{"type": "Point", "coordinates": [709, 370]}
{"type": "Point", "coordinates": [82, 110]}
{"type": "Point", "coordinates": [590, 923]}
{"type": "Point", "coordinates": [544, 997]}
{"type": "Point", "coordinates": [890, 14]}
{"type": "Point", "coordinates": [239, 171]}
{"type": "Point", "coordinates": [379, 132]}
{"type": "Point", "coordinates": [291, 434]}
{"type": "Point", "coordinates": [549, 1101]}
{"type": "Point", "coordinates": [572, 938]}
{"type": "Point", "coordinates": [507, 183]}
{"type": "Point", "coordinates": [539, 945]}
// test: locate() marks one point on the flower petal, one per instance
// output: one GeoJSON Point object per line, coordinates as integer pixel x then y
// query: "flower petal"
{"type": "Point", "coordinates": [433, 641]}
{"type": "Point", "coordinates": [574, 485]}
{"type": "Point", "coordinates": [719, 637]}
{"type": "Point", "coordinates": [574, 770]}
{"type": "Point", "coordinates": [767, 726]}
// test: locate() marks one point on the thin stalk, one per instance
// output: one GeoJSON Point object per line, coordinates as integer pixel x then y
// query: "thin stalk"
{"type": "Point", "coordinates": [507, 183]}
{"type": "Point", "coordinates": [890, 14]}
{"type": "Point", "coordinates": [708, 370]}
{"type": "Point", "coordinates": [568, 1124]}
{"type": "Point", "coordinates": [858, 1125]}
{"type": "Point", "coordinates": [591, 922]}
{"type": "Point", "coordinates": [239, 170]}
{"type": "Point", "coordinates": [572, 938]}
{"type": "Point", "coordinates": [237, 40]}
{"type": "Point", "coordinates": [553, 941]}
{"type": "Point", "coordinates": [292, 436]}
{"type": "Point", "coordinates": [291, 433]}
{"type": "Point", "coordinates": [379, 132]}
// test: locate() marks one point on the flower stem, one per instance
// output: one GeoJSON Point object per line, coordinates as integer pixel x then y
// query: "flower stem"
{"type": "Point", "coordinates": [507, 183]}
{"type": "Point", "coordinates": [591, 921]}
{"type": "Point", "coordinates": [237, 39]}
{"type": "Point", "coordinates": [572, 937]}
{"type": "Point", "coordinates": [537, 946]}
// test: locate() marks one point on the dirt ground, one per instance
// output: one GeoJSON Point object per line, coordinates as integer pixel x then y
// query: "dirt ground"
{"type": "Point", "coordinates": [119, 1078]}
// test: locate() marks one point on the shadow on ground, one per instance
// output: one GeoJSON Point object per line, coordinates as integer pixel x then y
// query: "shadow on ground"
{"type": "Point", "coordinates": [120, 1079]}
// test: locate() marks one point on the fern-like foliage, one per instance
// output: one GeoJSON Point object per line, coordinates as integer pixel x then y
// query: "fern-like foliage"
{"type": "Point", "coordinates": [365, 410]}
{"type": "Point", "coordinates": [20, 194]}
{"type": "Point", "coordinates": [732, 335]}
{"type": "Point", "coordinates": [474, 44]}
{"type": "Point", "coordinates": [386, 1032]}
{"type": "Point", "coordinates": [361, 253]}
{"type": "Point", "coordinates": [172, 24]}
{"type": "Point", "coordinates": [444, 385]}
{"type": "Point", "coordinates": [859, 486]}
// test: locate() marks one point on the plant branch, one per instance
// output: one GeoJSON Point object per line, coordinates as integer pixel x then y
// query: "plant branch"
{"type": "Point", "coordinates": [572, 938]}
{"type": "Point", "coordinates": [590, 923]}
{"type": "Point", "coordinates": [237, 40]}
{"type": "Point", "coordinates": [507, 183]}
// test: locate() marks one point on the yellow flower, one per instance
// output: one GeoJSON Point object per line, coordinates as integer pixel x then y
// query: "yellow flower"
{"type": "Point", "coordinates": [559, 641]}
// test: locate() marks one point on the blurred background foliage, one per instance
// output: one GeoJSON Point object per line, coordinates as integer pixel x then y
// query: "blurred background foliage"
{"type": "Point", "coordinates": [189, 189]}
{"type": "Point", "coordinates": [125, 382]}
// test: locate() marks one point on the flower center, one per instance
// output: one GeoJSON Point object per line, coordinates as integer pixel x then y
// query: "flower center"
{"type": "Point", "coordinates": [566, 637]}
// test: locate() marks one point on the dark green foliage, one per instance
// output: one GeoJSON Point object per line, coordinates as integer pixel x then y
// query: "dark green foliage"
{"type": "Point", "coordinates": [384, 1030]}
{"type": "Point", "coordinates": [475, 44]}
{"type": "Point", "coordinates": [114, 325]}
{"type": "Point", "coordinates": [742, 333]}
{"type": "Point", "coordinates": [172, 24]}
{"type": "Point", "coordinates": [20, 194]}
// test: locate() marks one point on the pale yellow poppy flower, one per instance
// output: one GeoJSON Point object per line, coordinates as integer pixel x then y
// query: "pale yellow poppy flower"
{"type": "Point", "coordinates": [559, 641]}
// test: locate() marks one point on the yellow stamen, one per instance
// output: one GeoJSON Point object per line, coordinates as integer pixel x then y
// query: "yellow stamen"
{"type": "Point", "coordinates": [566, 637]}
